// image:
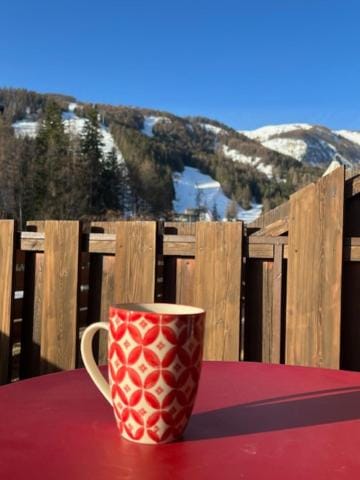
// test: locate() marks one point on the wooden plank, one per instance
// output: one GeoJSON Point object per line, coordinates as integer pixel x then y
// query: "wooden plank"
{"type": "Point", "coordinates": [101, 296]}
{"type": "Point", "coordinates": [185, 278]}
{"type": "Point", "coordinates": [254, 250]}
{"type": "Point", "coordinates": [274, 229]}
{"type": "Point", "coordinates": [59, 309]}
{"type": "Point", "coordinates": [7, 267]}
{"type": "Point", "coordinates": [180, 228]}
{"type": "Point", "coordinates": [254, 312]}
{"type": "Point", "coordinates": [32, 313]}
{"type": "Point", "coordinates": [314, 273]}
{"type": "Point", "coordinates": [218, 286]}
{"type": "Point", "coordinates": [276, 317]}
{"type": "Point", "coordinates": [272, 216]}
{"type": "Point", "coordinates": [135, 262]}
{"type": "Point", "coordinates": [259, 311]}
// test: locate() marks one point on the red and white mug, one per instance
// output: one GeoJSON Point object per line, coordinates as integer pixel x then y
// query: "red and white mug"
{"type": "Point", "coordinates": [154, 363]}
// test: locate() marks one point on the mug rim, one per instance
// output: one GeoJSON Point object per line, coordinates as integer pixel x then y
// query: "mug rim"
{"type": "Point", "coordinates": [157, 308]}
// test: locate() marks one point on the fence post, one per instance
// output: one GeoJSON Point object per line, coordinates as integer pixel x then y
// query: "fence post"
{"type": "Point", "coordinates": [218, 267]}
{"type": "Point", "coordinates": [7, 266]}
{"type": "Point", "coordinates": [59, 326]}
{"type": "Point", "coordinates": [315, 273]}
{"type": "Point", "coordinates": [135, 262]}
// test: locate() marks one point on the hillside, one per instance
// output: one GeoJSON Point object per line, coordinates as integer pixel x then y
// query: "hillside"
{"type": "Point", "coordinates": [161, 152]}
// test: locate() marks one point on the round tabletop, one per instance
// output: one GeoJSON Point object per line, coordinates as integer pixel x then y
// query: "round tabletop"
{"type": "Point", "coordinates": [250, 421]}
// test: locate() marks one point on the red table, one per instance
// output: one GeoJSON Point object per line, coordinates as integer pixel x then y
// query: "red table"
{"type": "Point", "coordinates": [250, 421]}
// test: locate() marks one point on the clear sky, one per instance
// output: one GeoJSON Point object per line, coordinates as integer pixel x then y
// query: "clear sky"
{"type": "Point", "coordinates": [246, 63]}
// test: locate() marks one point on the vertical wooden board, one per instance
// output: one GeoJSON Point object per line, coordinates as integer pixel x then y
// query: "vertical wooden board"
{"type": "Point", "coordinates": [135, 262]}
{"type": "Point", "coordinates": [253, 328]}
{"type": "Point", "coordinates": [7, 266]}
{"type": "Point", "coordinates": [217, 288]}
{"type": "Point", "coordinates": [59, 307]}
{"type": "Point", "coordinates": [350, 322]}
{"type": "Point", "coordinates": [31, 331]}
{"type": "Point", "coordinates": [277, 297]}
{"type": "Point", "coordinates": [260, 329]}
{"type": "Point", "coordinates": [267, 311]}
{"type": "Point", "coordinates": [315, 273]}
{"type": "Point", "coordinates": [185, 278]}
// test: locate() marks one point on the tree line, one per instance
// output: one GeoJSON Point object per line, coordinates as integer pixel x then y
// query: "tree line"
{"type": "Point", "coordinates": [60, 175]}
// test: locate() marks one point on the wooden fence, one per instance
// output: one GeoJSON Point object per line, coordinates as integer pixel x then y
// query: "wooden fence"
{"type": "Point", "coordinates": [285, 289]}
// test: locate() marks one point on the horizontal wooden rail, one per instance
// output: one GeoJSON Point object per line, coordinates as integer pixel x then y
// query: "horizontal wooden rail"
{"type": "Point", "coordinates": [182, 245]}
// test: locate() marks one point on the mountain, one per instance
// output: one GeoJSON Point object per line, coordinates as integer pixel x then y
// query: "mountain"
{"type": "Point", "coordinates": [175, 163]}
{"type": "Point", "coordinates": [311, 144]}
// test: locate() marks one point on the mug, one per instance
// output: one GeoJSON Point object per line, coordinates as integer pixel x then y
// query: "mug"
{"type": "Point", "coordinates": [154, 363]}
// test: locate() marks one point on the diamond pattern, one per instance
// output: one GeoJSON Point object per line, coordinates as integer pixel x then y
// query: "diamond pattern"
{"type": "Point", "coordinates": [154, 407]}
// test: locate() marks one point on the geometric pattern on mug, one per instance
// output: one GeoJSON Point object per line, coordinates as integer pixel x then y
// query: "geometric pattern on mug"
{"type": "Point", "coordinates": [154, 367]}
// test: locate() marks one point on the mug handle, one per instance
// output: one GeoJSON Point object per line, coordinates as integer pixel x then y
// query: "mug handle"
{"type": "Point", "coordinates": [89, 361]}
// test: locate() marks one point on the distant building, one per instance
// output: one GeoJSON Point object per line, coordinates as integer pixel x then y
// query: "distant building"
{"type": "Point", "coordinates": [193, 215]}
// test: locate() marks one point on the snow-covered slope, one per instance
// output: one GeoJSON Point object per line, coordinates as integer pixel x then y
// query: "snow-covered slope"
{"type": "Point", "coordinates": [26, 128]}
{"type": "Point", "coordinates": [194, 189]}
{"type": "Point", "coordinates": [315, 145]}
{"type": "Point", "coordinates": [255, 162]}
{"type": "Point", "coordinates": [150, 122]}
{"type": "Point", "coordinates": [265, 133]}
{"type": "Point", "coordinates": [73, 125]}
{"type": "Point", "coordinates": [353, 136]}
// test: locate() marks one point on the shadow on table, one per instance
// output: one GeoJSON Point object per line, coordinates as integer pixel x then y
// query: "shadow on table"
{"type": "Point", "coordinates": [303, 410]}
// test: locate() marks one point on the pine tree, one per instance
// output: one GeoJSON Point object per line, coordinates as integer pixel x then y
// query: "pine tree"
{"type": "Point", "coordinates": [214, 213]}
{"type": "Point", "coordinates": [232, 210]}
{"type": "Point", "coordinates": [51, 166]}
{"type": "Point", "coordinates": [112, 186]}
{"type": "Point", "coordinates": [91, 163]}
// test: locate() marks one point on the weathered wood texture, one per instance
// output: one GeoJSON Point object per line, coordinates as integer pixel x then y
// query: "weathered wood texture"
{"type": "Point", "coordinates": [7, 253]}
{"type": "Point", "coordinates": [135, 262]}
{"type": "Point", "coordinates": [60, 296]}
{"type": "Point", "coordinates": [268, 297]}
{"type": "Point", "coordinates": [218, 265]}
{"type": "Point", "coordinates": [315, 273]}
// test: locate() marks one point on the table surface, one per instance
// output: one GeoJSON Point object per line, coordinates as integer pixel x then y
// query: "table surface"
{"type": "Point", "coordinates": [250, 421]}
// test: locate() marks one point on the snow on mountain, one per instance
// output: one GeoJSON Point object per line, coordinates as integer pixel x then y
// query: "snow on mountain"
{"type": "Point", "coordinates": [150, 122]}
{"type": "Point", "coordinates": [72, 125]}
{"type": "Point", "coordinates": [351, 135]}
{"type": "Point", "coordinates": [295, 148]}
{"type": "Point", "coordinates": [263, 134]}
{"type": "Point", "coordinates": [256, 162]}
{"type": "Point", "coordinates": [315, 145]}
{"type": "Point", "coordinates": [212, 128]}
{"type": "Point", "coordinates": [194, 189]}
{"type": "Point", "coordinates": [25, 128]}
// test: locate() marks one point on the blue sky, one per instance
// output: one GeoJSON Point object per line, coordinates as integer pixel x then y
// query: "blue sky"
{"type": "Point", "coordinates": [244, 63]}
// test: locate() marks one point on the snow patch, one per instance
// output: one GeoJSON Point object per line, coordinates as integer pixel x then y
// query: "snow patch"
{"type": "Point", "coordinates": [150, 122]}
{"type": "Point", "coordinates": [212, 128]}
{"type": "Point", "coordinates": [72, 107]}
{"type": "Point", "coordinates": [353, 136]}
{"type": "Point", "coordinates": [263, 134]}
{"type": "Point", "coordinates": [194, 189]}
{"type": "Point", "coordinates": [236, 156]}
{"type": "Point", "coordinates": [295, 148]}
{"type": "Point", "coordinates": [73, 125]}
{"type": "Point", "coordinates": [25, 128]}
